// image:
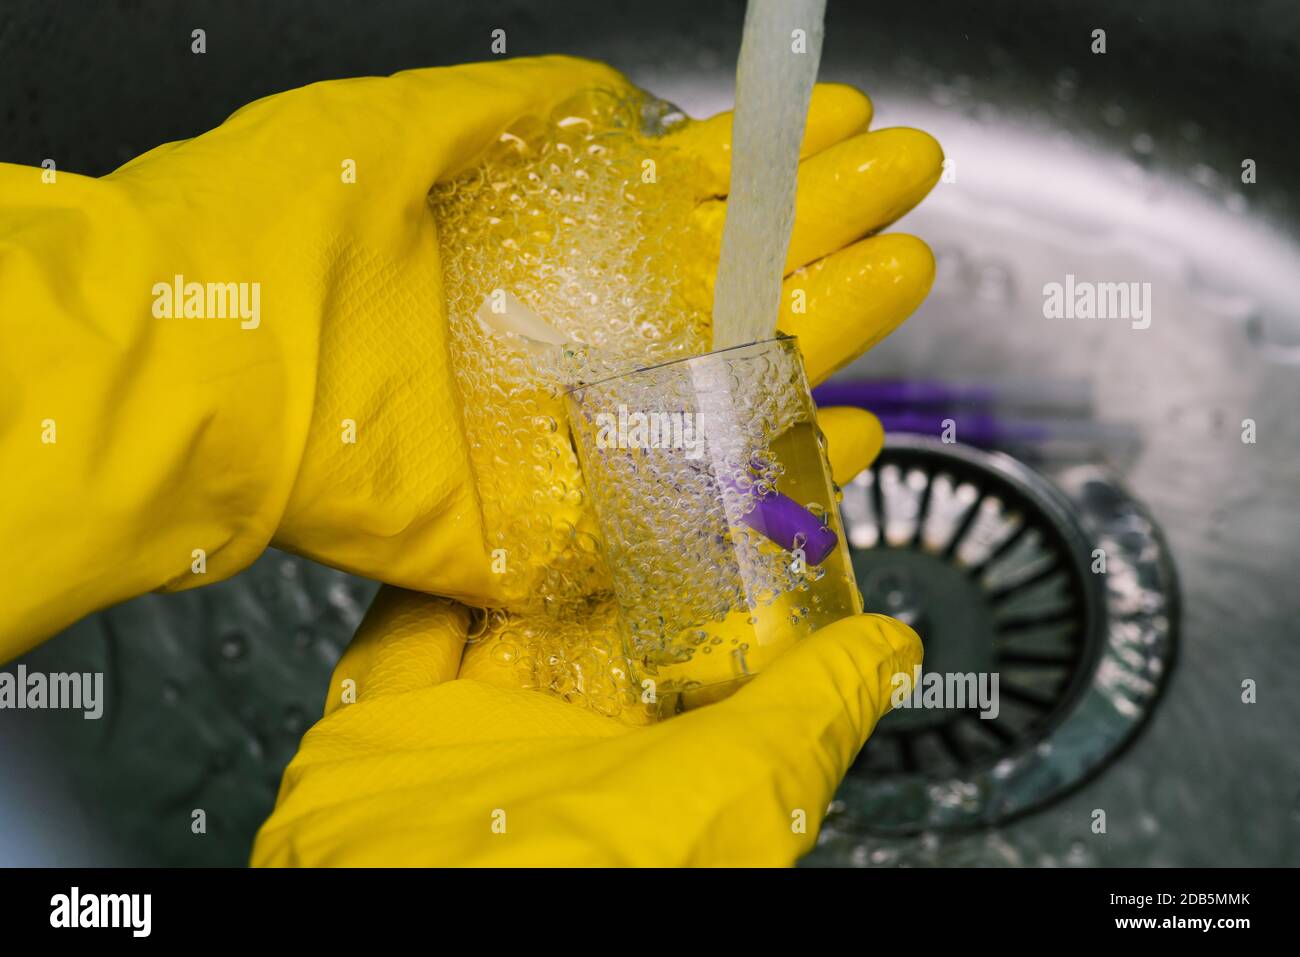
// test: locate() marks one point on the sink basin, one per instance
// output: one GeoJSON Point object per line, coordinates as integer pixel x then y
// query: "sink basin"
{"type": "Point", "coordinates": [1117, 167]}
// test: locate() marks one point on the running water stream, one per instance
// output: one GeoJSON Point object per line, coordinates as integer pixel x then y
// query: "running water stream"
{"type": "Point", "coordinates": [779, 55]}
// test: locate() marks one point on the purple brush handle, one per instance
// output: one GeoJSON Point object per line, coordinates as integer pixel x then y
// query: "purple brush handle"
{"type": "Point", "coordinates": [782, 519]}
{"type": "Point", "coordinates": [874, 393]}
{"type": "Point", "coordinates": [973, 429]}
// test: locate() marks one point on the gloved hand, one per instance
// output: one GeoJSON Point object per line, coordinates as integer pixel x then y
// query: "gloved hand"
{"type": "Point", "coordinates": [424, 768]}
{"type": "Point", "coordinates": [167, 452]}
{"type": "Point", "coordinates": [158, 452]}
{"type": "Point", "coordinates": [435, 752]}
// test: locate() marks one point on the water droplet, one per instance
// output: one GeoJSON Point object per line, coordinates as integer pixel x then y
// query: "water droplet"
{"type": "Point", "coordinates": [295, 720]}
{"type": "Point", "coordinates": [233, 647]}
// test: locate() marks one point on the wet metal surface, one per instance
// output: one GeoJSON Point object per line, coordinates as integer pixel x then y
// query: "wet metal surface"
{"type": "Point", "coordinates": [207, 694]}
{"type": "Point", "coordinates": [1068, 597]}
{"type": "Point", "coordinates": [1117, 168]}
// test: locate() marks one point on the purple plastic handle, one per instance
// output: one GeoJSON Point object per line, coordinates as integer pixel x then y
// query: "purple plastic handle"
{"type": "Point", "coordinates": [901, 392]}
{"type": "Point", "coordinates": [783, 520]}
{"type": "Point", "coordinates": [972, 428]}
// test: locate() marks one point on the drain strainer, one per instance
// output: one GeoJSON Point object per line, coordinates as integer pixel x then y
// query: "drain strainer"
{"type": "Point", "coordinates": [1048, 614]}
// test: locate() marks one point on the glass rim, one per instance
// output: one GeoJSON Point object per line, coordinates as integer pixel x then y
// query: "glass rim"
{"type": "Point", "coordinates": [779, 337]}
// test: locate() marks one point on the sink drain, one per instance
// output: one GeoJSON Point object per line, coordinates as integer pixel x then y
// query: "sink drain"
{"type": "Point", "coordinates": [1048, 613]}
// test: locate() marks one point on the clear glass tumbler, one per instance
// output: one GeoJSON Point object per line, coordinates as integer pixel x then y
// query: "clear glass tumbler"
{"type": "Point", "coordinates": [721, 529]}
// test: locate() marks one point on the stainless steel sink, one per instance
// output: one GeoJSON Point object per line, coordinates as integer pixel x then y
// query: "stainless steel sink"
{"type": "Point", "coordinates": [1116, 167]}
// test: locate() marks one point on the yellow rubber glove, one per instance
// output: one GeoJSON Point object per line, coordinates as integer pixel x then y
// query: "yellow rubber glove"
{"type": "Point", "coordinates": [433, 752]}
{"type": "Point", "coordinates": [153, 452]}
{"type": "Point", "coordinates": [142, 452]}
{"type": "Point", "coordinates": [421, 769]}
